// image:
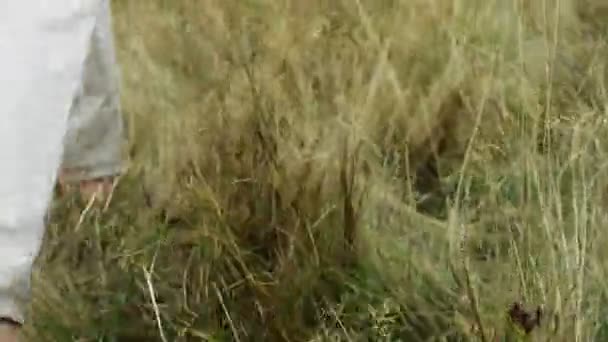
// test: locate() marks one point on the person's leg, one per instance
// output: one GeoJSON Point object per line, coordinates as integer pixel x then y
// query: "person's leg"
{"type": "Point", "coordinates": [43, 46]}
{"type": "Point", "coordinates": [93, 145]}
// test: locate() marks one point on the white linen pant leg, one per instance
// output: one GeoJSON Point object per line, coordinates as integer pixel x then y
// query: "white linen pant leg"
{"type": "Point", "coordinates": [93, 144]}
{"type": "Point", "coordinates": [43, 45]}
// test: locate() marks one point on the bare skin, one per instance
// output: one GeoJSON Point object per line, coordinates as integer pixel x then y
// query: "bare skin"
{"type": "Point", "coordinates": [9, 332]}
{"type": "Point", "coordinates": [100, 188]}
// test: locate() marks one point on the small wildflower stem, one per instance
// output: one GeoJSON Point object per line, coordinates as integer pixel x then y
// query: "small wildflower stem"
{"type": "Point", "coordinates": [148, 277]}
{"type": "Point", "coordinates": [232, 327]}
{"type": "Point", "coordinates": [159, 323]}
{"type": "Point", "coordinates": [473, 303]}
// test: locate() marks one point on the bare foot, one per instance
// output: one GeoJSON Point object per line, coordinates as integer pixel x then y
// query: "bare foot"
{"type": "Point", "coordinates": [100, 188]}
{"type": "Point", "coordinates": [9, 332]}
{"type": "Point", "coordinates": [97, 189]}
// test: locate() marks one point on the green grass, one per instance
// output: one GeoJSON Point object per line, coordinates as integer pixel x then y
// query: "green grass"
{"type": "Point", "coordinates": [355, 170]}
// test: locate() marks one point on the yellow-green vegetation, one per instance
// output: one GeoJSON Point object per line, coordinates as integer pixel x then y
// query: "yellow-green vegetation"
{"type": "Point", "coordinates": [345, 170]}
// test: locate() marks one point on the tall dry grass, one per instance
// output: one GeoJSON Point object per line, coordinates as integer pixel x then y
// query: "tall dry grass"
{"type": "Point", "coordinates": [345, 170]}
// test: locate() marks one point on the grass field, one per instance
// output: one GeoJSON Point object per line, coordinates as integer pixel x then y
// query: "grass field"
{"type": "Point", "coordinates": [345, 170]}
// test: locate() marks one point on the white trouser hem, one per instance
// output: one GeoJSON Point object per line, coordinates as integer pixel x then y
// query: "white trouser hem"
{"type": "Point", "coordinates": [11, 310]}
{"type": "Point", "coordinates": [94, 139]}
{"type": "Point", "coordinates": [83, 173]}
